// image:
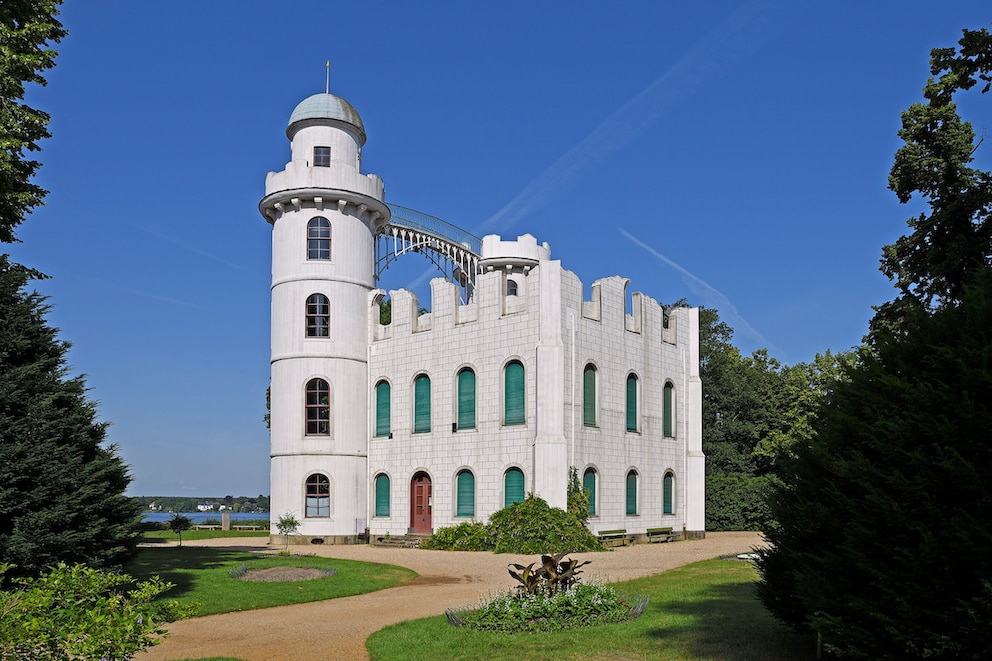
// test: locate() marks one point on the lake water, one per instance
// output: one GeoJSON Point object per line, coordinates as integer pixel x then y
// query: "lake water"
{"type": "Point", "coordinates": [200, 517]}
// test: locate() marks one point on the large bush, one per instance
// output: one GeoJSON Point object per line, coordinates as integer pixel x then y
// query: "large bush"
{"type": "Point", "coordinates": [530, 526]}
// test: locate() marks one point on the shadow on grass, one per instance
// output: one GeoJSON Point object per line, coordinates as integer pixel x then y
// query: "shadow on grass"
{"type": "Point", "coordinates": [172, 564]}
{"type": "Point", "coordinates": [727, 621]}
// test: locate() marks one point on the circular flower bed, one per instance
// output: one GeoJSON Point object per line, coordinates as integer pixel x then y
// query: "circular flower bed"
{"type": "Point", "coordinates": [578, 606]}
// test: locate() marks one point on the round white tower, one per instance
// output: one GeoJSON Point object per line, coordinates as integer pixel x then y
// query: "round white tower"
{"type": "Point", "coordinates": [324, 214]}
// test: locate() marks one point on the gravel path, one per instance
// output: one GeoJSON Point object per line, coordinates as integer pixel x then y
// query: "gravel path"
{"type": "Point", "coordinates": [337, 629]}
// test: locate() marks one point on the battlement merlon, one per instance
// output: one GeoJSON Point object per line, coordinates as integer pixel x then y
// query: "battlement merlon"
{"type": "Point", "coordinates": [523, 252]}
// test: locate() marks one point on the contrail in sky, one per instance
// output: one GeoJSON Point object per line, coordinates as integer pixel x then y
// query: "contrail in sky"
{"type": "Point", "coordinates": [712, 297]}
{"type": "Point", "coordinates": [725, 46]}
{"type": "Point", "coordinates": [195, 250]}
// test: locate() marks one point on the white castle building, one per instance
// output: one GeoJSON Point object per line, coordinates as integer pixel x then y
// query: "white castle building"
{"type": "Point", "coordinates": [448, 416]}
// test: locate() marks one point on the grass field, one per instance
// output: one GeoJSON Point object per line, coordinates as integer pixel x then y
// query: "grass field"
{"type": "Point", "coordinates": [154, 536]}
{"type": "Point", "coordinates": [706, 610]}
{"type": "Point", "coordinates": [200, 574]}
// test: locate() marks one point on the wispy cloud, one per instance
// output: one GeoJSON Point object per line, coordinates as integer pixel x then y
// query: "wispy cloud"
{"type": "Point", "coordinates": [145, 294]}
{"type": "Point", "coordinates": [722, 48]}
{"type": "Point", "coordinates": [195, 250]}
{"type": "Point", "coordinates": [710, 296]}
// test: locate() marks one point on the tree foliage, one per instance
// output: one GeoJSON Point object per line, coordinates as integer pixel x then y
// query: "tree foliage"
{"type": "Point", "coordinates": [885, 520]}
{"type": "Point", "coordinates": [945, 247]}
{"type": "Point", "coordinates": [61, 490]}
{"type": "Point", "coordinates": [885, 512]}
{"type": "Point", "coordinates": [27, 30]}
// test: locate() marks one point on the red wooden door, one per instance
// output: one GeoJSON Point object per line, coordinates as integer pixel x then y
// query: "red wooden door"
{"type": "Point", "coordinates": [420, 503]}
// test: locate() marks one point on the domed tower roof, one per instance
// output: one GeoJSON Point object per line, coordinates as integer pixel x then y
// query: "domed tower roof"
{"type": "Point", "coordinates": [320, 108]}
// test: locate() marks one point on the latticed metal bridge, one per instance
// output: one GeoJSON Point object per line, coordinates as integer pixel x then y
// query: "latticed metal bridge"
{"type": "Point", "coordinates": [455, 252]}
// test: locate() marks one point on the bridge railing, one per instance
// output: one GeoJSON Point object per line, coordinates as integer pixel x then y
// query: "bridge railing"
{"type": "Point", "coordinates": [422, 222]}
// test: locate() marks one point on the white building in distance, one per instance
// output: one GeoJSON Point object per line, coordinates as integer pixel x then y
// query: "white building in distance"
{"type": "Point", "coordinates": [448, 416]}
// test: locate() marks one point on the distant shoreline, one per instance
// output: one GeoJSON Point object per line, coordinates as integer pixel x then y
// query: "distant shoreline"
{"type": "Point", "coordinates": [158, 516]}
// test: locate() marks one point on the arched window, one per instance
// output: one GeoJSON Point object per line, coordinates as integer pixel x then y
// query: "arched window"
{"type": "Point", "coordinates": [514, 400]}
{"type": "Point", "coordinates": [465, 488]}
{"type": "Point", "coordinates": [513, 486]}
{"type": "Point", "coordinates": [631, 402]}
{"type": "Point", "coordinates": [318, 496]}
{"type": "Point", "coordinates": [382, 495]}
{"type": "Point", "coordinates": [382, 410]}
{"type": "Point", "coordinates": [318, 408]}
{"type": "Point", "coordinates": [589, 395]}
{"type": "Point", "coordinates": [511, 287]}
{"type": "Point", "coordinates": [589, 486]}
{"type": "Point", "coordinates": [668, 411]}
{"type": "Point", "coordinates": [668, 494]}
{"type": "Point", "coordinates": [318, 316]}
{"type": "Point", "coordinates": [319, 238]}
{"type": "Point", "coordinates": [466, 399]}
{"type": "Point", "coordinates": [631, 493]}
{"type": "Point", "coordinates": [421, 404]}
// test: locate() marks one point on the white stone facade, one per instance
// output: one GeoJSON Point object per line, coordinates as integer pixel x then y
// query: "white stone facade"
{"type": "Point", "coordinates": [343, 461]}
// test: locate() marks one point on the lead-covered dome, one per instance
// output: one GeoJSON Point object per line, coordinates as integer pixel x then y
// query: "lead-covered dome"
{"type": "Point", "coordinates": [319, 108]}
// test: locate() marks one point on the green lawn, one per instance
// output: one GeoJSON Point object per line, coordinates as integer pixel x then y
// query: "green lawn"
{"type": "Point", "coordinates": [153, 536]}
{"type": "Point", "coordinates": [706, 610]}
{"type": "Point", "coordinates": [201, 574]}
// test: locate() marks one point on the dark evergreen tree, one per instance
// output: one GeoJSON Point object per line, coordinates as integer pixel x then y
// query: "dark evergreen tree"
{"type": "Point", "coordinates": [884, 535]}
{"type": "Point", "coordinates": [61, 490]}
{"type": "Point", "coordinates": [884, 542]}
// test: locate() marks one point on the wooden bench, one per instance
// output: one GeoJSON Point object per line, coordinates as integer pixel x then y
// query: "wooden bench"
{"type": "Point", "coordinates": [613, 537]}
{"type": "Point", "coordinates": [247, 527]}
{"type": "Point", "coordinates": [201, 526]}
{"type": "Point", "coordinates": [661, 535]}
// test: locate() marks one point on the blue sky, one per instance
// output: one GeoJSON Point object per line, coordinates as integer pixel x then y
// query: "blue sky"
{"type": "Point", "coordinates": [732, 153]}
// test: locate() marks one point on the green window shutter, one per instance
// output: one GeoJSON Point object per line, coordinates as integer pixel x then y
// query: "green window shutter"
{"type": "Point", "coordinates": [382, 422]}
{"type": "Point", "coordinates": [421, 404]}
{"type": "Point", "coordinates": [668, 412]}
{"type": "Point", "coordinates": [466, 399]}
{"type": "Point", "coordinates": [466, 494]}
{"type": "Point", "coordinates": [589, 485]}
{"type": "Point", "coordinates": [513, 399]}
{"type": "Point", "coordinates": [513, 487]}
{"type": "Point", "coordinates": [631, 493]}
{"type": "Point", "coordinates": [589, 396]}
{"type": "Point", "coordinates": [631, 403]}
{"type": "Point", "coordinates": [381, 495]}
{"type": "Point", "coordinates": [669, 485]}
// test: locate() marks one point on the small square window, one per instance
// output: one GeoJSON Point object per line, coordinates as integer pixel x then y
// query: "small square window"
{"type": "Point", "coordinates": [322, 157]}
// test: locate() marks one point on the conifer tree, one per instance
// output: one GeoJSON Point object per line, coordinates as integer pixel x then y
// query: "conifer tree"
{"type": "Point", "coordinates": [61, 489]}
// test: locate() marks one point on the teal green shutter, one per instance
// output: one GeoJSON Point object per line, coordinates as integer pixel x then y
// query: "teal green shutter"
{"type": "Point", "coordinates": [421, 404]}
{"type": "Point", "coordinates": [631, 403]}
{"type": "Point", "coordinates": [669, 483]}
{"type": "Point", "coordinates": [466, 494]}
{"type": "Point", "coordinates": [631, 493]}
{"type": "Point", "coordinates": [381, 495]}
{"type": "Point", "coordinates": [513, 394]}
{"type": "Point", "coordinates": [589, 396]}
{"type": "Point", "coordinates": [667, 413]}
{"type": "Point", "coordinates": [382, 422]}
{"type": "Point", "coordinates": [513, 487]}
{"type": "Point", "coordinates": [466, 399]}
{"type": "Point", "coordinates": [589, 485]}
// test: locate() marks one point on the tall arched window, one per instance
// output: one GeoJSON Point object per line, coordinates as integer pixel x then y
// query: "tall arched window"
{"type": "Point", "coordinates": [511, 287]}
{"type": "Point", "coordinates": [631, 402]}
{"type": "Point", "coordinates": [668, 411]}
{"type": "Point", "coordinates": [318, 408]}
{"type": "Point", "coordinates": [466, 399]}
{"type": "Point", "coordinates": [383, 424]}
{"type": "Point", "coordinates": [631, 493]}
{"type": "Point", "coordinates": [465, 496]}
{"type": "Point", "coordinates": [318, 496]}
{"type": "Point", "coordinates": [589, 486]}
{"type": "Point", "coordinates": [589, 395]}
{"type": "Point", "coordinates": [513, 486]}
{"type": "Point", "coordinates": [668, 494]}
{"type": "Point", "coordinates": [514, 400]}
{"type": "Point", "coordinates": [382, 495]}
{"type": "Point", "coordinates": [421, 404]}
{"type": "Point", "coordinates": [318, 316]}
{"type": "Point", "coordinates": [319, 238]}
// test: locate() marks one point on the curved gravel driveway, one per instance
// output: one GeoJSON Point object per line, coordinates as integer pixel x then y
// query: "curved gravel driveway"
{"type": "Point", "coordinates": [338, 628]}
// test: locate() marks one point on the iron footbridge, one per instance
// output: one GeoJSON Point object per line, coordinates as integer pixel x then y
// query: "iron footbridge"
{"type": "Point", "coordinates": [455, 252]}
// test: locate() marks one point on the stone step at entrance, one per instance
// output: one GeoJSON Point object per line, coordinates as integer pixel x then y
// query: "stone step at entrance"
{"type": "Point", "coordinates": [408, 541]}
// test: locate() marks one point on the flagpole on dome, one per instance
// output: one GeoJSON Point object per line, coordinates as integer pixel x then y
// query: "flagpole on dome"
{"type": "Point", "coordinates": [327, 78]}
